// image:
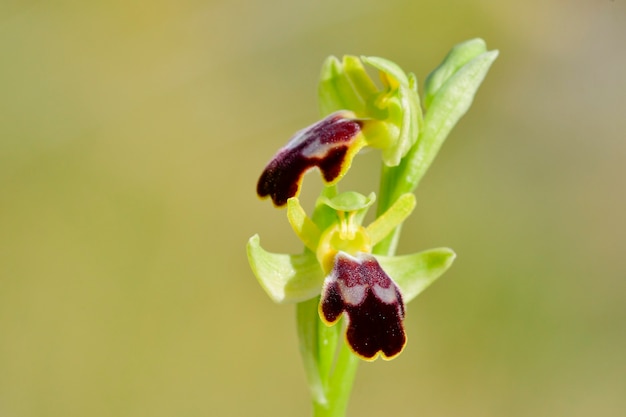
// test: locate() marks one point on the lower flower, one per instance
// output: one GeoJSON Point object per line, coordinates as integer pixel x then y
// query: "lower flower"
{"type": "Point", "coordinates": [338, 266]}
{"type": "Point", "coordinates": [359, 288]}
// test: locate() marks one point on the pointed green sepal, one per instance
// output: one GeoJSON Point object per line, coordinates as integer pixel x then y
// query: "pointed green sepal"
{"type": "Point", "coordinates": [413, 273]}
{"type": "Point", "coordinates": [391, 73]}
{"type": "Point", "coordinates": [350, 202]}
{"type": "Point", "coordinates": [400, 102]}
{"type": "Point", "coordinates": [285, 278]}
{"type": "Point", "coordinates": [324, 216]}
{"type": "Point", "coordinates": [344, 85]}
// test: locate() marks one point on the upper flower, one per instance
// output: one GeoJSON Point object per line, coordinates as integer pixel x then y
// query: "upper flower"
{"type": "Point", "coordinates": [360, 115]}
{"type": "Point", "coordinates": [329, 145]}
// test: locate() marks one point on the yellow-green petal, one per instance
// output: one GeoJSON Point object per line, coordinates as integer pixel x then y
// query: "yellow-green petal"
{"type": "Point", "coordinates": [302, 225]}
{"type": "Point", "coordinates": [389, 220]}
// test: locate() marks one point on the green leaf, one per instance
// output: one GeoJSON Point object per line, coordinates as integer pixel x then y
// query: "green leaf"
{"type": "Point", "coordinates": [413, 273]}
{"type": "Point", "coordinates": [451, 102]}
{"type": "Point", "coordinates": [308, 322]}
{"type": "Point", "coordinates": [460, 55]}
{"type": "Point", "coordinates": [285, 278]}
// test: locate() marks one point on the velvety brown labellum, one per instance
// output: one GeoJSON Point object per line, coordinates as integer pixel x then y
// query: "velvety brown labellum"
{"type": "Point", "coordinates": [358, 287]}
{"type": "Point", "coordinates": [324, 145]}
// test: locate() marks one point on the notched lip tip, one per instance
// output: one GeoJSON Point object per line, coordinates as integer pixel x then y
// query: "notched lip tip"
{"type": "Point", "coordinates": [378, 354]}
{"type": "Point", "coordinates": [276, 205]}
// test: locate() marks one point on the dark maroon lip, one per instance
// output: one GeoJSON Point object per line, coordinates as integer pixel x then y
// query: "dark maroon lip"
{"type": "Point", "coordinates": [359, 288]}
{"type": "Point", "coordinates": [324, 145]}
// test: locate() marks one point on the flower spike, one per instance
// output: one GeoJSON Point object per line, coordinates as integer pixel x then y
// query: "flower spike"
{"type": "Point", "coordinates": [348, 269]}
{"type": "Point", "coordinates": [371, 300]}
{"type": "Point", "coordinates": [329, 145]}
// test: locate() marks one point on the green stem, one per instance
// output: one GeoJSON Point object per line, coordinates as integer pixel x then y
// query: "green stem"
{"type": "Point", "coordinates": [306, 319]}
{"type": "Point", "coordinates": [329, 363]}
{"type": "Point", "coordinates": [339, 384]}
{"type": "Point", "coordinates": [330, 374]}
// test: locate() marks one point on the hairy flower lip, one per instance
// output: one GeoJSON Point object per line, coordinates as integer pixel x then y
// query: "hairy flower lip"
{"type": "Point", "coordinates": [329, 145]}
{"type": "Point", "coordinates": [372, 302]}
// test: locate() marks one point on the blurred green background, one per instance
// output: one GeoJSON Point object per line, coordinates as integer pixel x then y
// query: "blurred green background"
{"type": "Point", "coordinates": [131, 138]}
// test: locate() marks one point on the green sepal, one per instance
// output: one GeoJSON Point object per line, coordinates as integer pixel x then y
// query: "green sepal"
{"type": "Point", "coordinates": [413, 273]}
{"type": "Point", "coordinates": [285, 278]}
{"type": "Point", "coordinates": [344, 85]}
{"type": "Point", "coordinates": [458, 56]}
{"type": "Point", "coordinates": [388, 69]}
{"type": "Point", "coordinates": [400, 102]}
{"type": "Point", "coordinates": [324, 216]}
{"type": "Point", "coordinates": [350, 202]}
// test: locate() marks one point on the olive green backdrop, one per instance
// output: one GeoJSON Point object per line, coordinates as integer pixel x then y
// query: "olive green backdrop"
{"type": "Point", "coordinates": [131, 138]}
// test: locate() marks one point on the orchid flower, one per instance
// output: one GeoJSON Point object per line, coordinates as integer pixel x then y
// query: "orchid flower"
{"type": "Point", "coordinates": [338, 265]}
{"type": "Point", "coordinates": [361, 115]}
